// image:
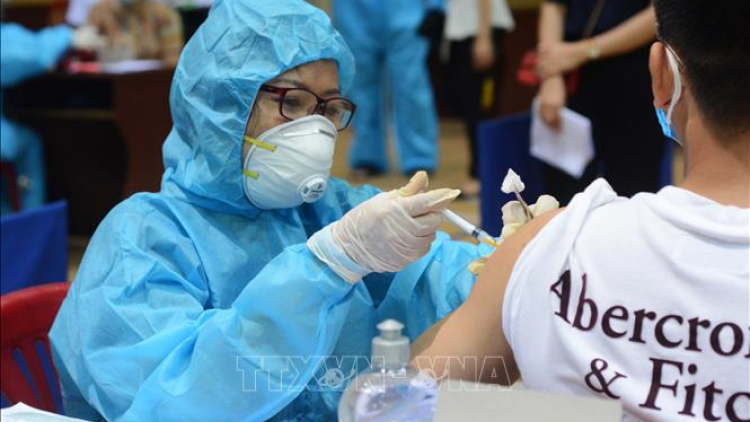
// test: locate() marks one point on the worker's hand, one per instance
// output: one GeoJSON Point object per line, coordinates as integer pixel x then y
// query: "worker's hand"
{"type": "Point", "coordinates": [393, 229]}
{"type": "Point", "coordinates": [386, 232]}
{"type": "Point", "coordinates": [514, 218]}
{"type": "Point", "coordinates": [552, 98]}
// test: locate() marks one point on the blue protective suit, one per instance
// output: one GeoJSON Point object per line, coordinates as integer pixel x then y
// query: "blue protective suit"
{"type": "Point", "coordinates": [392, 85]}
{"type": "Point", "coordinates": [24, 54]}
{"type": "Point", "coordinates": [193, 305]}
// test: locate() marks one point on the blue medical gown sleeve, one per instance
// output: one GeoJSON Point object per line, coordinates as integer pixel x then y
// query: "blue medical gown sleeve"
{"type": "Point", "coordinates": [25, 53]}
{"type": "Point", "coordinates": [139, 338]}
{"type": "Point", "coordinates": [432, 287]}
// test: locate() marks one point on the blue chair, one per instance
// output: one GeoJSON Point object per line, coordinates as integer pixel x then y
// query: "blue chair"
{"type": "Point", "coordinates": [34, 247]}
{"type": "Point", "coordinates": [503, 144]}
{"type": "Point", "coordinates": [29, 376]}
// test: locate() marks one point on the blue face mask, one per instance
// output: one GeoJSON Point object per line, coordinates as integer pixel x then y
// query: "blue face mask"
{"type": "Point", "coordinates": [665, 119]}
{"type": "Point", "coordinates": [666, 127]}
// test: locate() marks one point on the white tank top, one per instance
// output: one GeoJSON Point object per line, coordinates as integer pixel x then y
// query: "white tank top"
{"type": "Point", "coordinates": [644, 300]}
{"type": "Point", "coordinates": [462, 18]}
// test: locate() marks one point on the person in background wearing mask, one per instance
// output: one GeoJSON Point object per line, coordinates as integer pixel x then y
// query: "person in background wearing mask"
{"type": "Point", "coordinates": [392, 86]}
{"type": "Point", "coordinates": [234, 291]}
{"type": "Point", "coordinates": [613, 85]}
{"type": "Point", "coordinates": [644, 300]}
{"type": "Point", "coordinates": [23, 55]}
{"type": "Point", "coordinates": [138, 29]}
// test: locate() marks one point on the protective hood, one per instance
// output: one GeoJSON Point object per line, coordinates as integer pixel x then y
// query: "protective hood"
{"type": "Point", "coordinates": [242, 45]}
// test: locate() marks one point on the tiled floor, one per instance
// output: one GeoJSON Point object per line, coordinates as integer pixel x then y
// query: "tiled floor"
{"type": "Point", "coordinates": [452, 172]}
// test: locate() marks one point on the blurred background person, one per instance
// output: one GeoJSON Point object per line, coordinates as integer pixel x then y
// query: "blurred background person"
{"type": "Point", "coordinates": [392, 86]}
{"type": "Point", "coordinates": [138, 29]}
{"type": "Point", "coordinates": [613, 90]}
{"type": "Point", "coordinates": [475, 30]}
{"type": "Point", "coordinates": [23, 55]}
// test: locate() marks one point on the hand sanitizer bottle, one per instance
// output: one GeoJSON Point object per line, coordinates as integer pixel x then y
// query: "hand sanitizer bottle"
{"type": "Point", "coordinates": [390, 390]}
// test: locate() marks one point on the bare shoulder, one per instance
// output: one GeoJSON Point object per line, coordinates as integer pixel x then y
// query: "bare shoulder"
{"type": "Point", "coordinates": [478, 322]}
{"type": "Point", "coordinates": [515, 245]}
{"type": "Point", "coordinates": [490, 287]}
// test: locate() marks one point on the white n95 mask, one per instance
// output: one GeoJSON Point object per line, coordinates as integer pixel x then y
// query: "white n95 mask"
{"type": "Point", "coordinates": [289, 164]}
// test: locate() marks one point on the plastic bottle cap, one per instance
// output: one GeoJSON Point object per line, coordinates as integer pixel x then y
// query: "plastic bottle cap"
{"type": "Point", "coordinates": [390, 349]}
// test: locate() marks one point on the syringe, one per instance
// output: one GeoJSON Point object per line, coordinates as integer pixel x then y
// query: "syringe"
{"type": "Point", "coordinates": [469, 228]}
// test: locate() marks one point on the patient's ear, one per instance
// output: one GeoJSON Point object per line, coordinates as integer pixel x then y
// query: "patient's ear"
{"type": "Point", "coordinates": [662, 80]}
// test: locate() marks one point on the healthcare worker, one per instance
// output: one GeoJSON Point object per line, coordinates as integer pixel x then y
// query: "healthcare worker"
{"type": "Point", "coordinates": [392, 85]}
{"type": "Point", "coordinates": [225, 296]}
{"type": "Point", "coordinates": [25, 54]}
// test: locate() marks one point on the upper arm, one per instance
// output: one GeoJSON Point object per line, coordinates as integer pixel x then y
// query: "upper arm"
{"type": "Point", "coordinates": [478, 322]}
{"type": "Point", "coordinates": [140, 261]}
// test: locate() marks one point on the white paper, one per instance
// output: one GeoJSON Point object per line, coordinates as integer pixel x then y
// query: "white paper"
{"type": "Point", "coordinates": [131, 66]}
{"type": "Point", "coordinates": [459, 401]}
{"type": "Point", "coordinates": [569, 149]}
{"type": "Point", "coordinates": [23, 413]}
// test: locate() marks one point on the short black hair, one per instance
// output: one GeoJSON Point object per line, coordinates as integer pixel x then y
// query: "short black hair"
{"type": "Point", "coordinates": [712, 40]}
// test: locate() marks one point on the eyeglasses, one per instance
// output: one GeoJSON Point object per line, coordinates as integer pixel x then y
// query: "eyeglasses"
{"type": "Point", "coordinates": [295, 103]}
